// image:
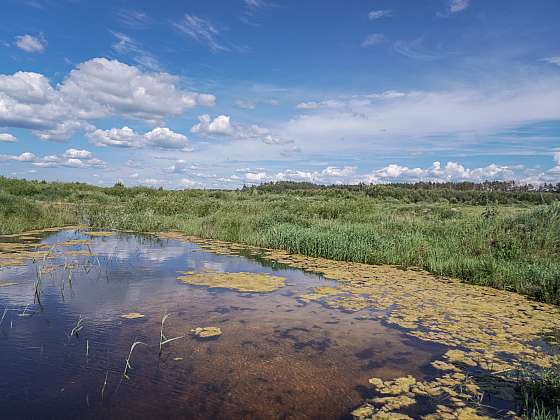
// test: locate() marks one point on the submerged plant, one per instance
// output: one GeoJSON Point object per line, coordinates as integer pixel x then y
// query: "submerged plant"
{"type": "Point", "coordinates": [162, 338]}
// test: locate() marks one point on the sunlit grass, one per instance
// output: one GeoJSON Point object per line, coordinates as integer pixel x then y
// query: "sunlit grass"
{"type": "Point", "coordinates": [514, 245]}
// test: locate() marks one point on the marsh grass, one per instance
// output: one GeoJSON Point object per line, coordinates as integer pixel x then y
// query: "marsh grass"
{"type": "Point", "coordinates": [507, 240]}
{"type": "Point", "coordinates": [540, 392]}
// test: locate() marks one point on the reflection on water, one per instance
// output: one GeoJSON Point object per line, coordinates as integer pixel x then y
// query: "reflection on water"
{"type": "Point", "coordinates": [64, 342]}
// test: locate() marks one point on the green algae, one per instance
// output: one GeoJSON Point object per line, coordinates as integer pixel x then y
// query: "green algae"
{"type": "Point", "coordinates": [489, 332]}
{"type": "Point", "coordinates": [242, 282]}
{"type": "Point", "coordinates": [206, 332]}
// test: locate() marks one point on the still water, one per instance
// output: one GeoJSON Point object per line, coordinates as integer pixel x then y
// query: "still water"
{"type": "Point", "coordinates": [277, 356]}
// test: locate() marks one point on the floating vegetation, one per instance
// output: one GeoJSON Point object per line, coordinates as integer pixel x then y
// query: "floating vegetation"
{"type": "Point", "coordinates": [132, 315]}
{"type": "Point", "coordinates": [491, 332]}
{"type": "Point", "coordinates": [206, 332]}
{"type": "Point", "coordinates": [242, 282]}
{"type": "Point", "coordinates": [99, 233]}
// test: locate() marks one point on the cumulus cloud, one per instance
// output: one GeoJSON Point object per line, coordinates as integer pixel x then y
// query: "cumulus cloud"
{"type": "Point", "coordinates": [222, 126]}
{"type": "Point", "coordinates": [31, 44]}
{"type": "Point", "coordinates": [452, 171]}
{"type": "Point", "coordinates": [449, 172]}
{"type": "Point", "coordinates": [7, 138]}
{"type": "Point", "coordinates": [71, 158]}
{"type": "Point", "coordinates": [98, 88]}
{"type": "Point", "coordinates": [378, 14]}
{"type": "Point", "coordinates": [329, 175]}
{"type": "Point", "coordinates": [159, 137]}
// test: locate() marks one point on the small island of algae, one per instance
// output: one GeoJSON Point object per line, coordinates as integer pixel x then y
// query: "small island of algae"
{"type": "Point", "coordinates": [132, 315]}
{"type": "Point", "coordinates": [206, 332]}
{"type": "Point", "coordinates": [242, 282]}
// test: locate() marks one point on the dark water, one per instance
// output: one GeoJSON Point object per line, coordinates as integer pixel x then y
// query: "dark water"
{"type": "Point", "coordinates": [276, 358]}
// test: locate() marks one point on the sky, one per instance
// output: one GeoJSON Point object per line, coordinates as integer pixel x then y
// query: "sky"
{"type": "Point", "coordinates": [220, 94]}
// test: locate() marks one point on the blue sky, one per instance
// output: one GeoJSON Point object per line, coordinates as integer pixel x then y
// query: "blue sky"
{"type": "Point", "coordinates": [185, 94]}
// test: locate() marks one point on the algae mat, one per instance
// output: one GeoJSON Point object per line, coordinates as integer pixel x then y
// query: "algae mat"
{"type": "Point", "coordinates": [491, 333]}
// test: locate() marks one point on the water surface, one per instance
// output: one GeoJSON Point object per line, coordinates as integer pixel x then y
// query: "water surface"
{"type": "Point", "coordinates": [278, 357]}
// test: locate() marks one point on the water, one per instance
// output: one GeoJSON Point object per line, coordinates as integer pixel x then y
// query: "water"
{"type": "Point", "coordinates": [277, 357]}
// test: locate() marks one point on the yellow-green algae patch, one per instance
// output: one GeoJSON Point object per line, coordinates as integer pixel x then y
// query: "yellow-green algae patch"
{"type": "Point", "coordinates": [242, 282]}
{"type": "Point", "coordinates": [132, 315]}
{"type": "Point", "coordinates": [490, 332]}
{"type": "Point", "coordinates": [206, 332]}
{"type": "Point", "coordinates": [99, 233]}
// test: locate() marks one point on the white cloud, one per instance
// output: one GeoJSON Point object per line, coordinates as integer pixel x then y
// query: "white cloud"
{"type": "Point", "coordinates": [7, 138]}
{"type": "Point", "coordinates": [373, 39]}
{"type": "Point", "coordinates": [452, 171]}
{"type": "Point", "coordinates": [117, 137]}
{"type": "Point", "coordinates": [165, 138]}
{"type": "Point", "coordinates": [254, 4]}
{"type": "Point", "coordinates": [159, 137]}
{"type": "Point", "coordinates": [378, 14]}
{"type": "Point", "coordinates": [127, 46]}
{"type": "Point", "coordinates": [557, 158]}
{"type": "Point", "coordinates": [456, 6]}
{"type": "Point", "coordinates": [30, 43]}
{"type": "Point", "coordinates": [553, 60]}
{"type": "Point", "coordinates": [71, 158]}
{"type": "Point", "coordinates": [222, 126]}
{"type": "Point", "coordinates": [202, 31]}
{"type": "Point", "coordinates": [133, 18]}
{"type": "Point", "coordinates": [331, 103]}
{"type": "Point", "coordinates": [365, 121]}
{"type": "Point", "coordinates": [78, 154]}
{"type": "Point", "coordinates": [98, 88]}
{"type": "Point", "coordinates": [102, 87]}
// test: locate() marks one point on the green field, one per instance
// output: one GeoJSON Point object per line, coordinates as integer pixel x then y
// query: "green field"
{"type": "Point", "coordinates": [507, 240]}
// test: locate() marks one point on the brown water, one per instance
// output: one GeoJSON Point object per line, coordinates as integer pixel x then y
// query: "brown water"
{"type": "Point", "coordinates": [277, 357]}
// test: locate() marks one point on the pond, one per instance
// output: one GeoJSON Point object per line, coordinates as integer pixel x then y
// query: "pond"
{"type": "Point", "coordinates": [279, 345]}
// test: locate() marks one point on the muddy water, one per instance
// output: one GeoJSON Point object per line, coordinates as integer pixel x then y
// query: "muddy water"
{"type": "Point", "coordinates": [279, 356]}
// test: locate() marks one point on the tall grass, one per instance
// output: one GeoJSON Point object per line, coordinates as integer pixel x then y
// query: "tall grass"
{"type": "Point", "coordinates": [514, 246]}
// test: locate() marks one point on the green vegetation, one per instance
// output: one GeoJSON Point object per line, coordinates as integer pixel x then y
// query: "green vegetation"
{"type": "Point", "coordinates": [541, 394]}
{"type": "Point", "coordinates": [494, 234]}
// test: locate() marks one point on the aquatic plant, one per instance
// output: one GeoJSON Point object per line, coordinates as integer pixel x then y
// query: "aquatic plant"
{"type": "Point", "coordinates": [242, 282]}
{"type": "Point", "coordinates": [540, 393]}
{"type": "Point", "coordinates": [206, 332]}
{"type": "Point", "coordinates": [127, 364]}
{"type": "Point", "coordinates": [162, 338]}
{"type": "Point", "coordinates": [77, 328]}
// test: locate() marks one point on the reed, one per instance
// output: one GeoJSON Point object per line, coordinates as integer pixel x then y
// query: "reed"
{"type": "Point", "coordinates": [127, 365]}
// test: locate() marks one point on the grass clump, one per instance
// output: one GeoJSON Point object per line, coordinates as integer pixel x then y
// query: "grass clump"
{"type": "Point", "coordinates": [540, 393]}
